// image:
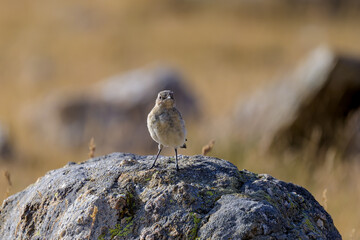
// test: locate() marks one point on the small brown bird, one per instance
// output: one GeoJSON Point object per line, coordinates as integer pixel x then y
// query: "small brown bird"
{"type": "Point", "coordinates": [166, 125]}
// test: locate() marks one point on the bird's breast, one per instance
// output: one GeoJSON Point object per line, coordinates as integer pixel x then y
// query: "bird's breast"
{"type": "Point", "coordinates": [169, 128]}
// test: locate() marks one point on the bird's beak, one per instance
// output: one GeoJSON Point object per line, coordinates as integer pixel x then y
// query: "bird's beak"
{"type": "Point", "coordinates": [169, 97]}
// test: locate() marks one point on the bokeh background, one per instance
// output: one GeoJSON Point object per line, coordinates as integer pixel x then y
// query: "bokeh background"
{"type": "Point", "coordinates": [74, 70]}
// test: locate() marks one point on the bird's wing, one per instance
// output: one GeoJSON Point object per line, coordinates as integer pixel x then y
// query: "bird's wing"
{"type": "Point", "coordinates": [153, 126]}
{"type": "Point", "coordinates": [182, 122]}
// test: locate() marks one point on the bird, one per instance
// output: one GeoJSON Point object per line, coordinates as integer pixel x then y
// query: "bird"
{"type": "Point", "coordinates": [166, 125]}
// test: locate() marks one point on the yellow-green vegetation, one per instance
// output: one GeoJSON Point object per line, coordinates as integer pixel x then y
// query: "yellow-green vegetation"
{"type": "Point", "coordinates": [308, 223]}
{"type": "Point", "coordinates": [195, 229]}
{"type": "Point", "coordinates": [292, 204]}
{"type": "Point", "coordinates": [209, 197]}
{"type": "Point", "coordinates": [210, 193]}
{"type": "Point", "coordinates": [120, 230]}
{"type": "Point", "coordinates": [129, 210]}
{"type": "Point", "coordinates": [224, 49]}
{"type": "Point", "coordinates": [268, 198]}
{"type": "Point", "coordinates": [126, 225]}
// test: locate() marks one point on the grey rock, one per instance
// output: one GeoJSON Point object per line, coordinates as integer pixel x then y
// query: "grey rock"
{"type": "Point", "coordinates": [113, 111]}
{"type": "Point", "coordinates": [117, 196]}
{"type": "Point", "coordinates": [318, 98]}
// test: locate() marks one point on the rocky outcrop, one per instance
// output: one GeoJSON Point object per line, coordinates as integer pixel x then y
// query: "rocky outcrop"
{"type": "Point", "coordinates": [313, 104]}
{"type": "Point", "coordinates": [117, 196]}
{"type": "Point", "coordinates": [109, 111]}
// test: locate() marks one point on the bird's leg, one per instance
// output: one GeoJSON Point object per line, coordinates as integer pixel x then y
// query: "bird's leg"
{"type": "Point", "coordinates": [176, 159]}
{"type": "Point", "coordinates": [160, 148]}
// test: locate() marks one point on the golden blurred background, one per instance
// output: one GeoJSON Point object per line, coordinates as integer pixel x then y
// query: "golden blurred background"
{"type": "Point", "coordinates": [225, 51]}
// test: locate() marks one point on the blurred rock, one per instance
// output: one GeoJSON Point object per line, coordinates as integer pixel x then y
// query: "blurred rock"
{"type": "Point", "coordinates": [114, 111]}
{"type": "Point", "coordinates": [5, 144]}
{"type": "Point", "coordinates": [117, 196]}
{"type": "Point", "coordinates": [334, 6]}
{"type": "Point", "coordinates": [37, 69]}
{"type": "Point", "coordinates": [312, 105]}
{"type": "Point", "coordinates": [352, 135]}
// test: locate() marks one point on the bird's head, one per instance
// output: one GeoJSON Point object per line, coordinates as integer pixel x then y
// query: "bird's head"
{"type": "Point", "coordinates": [165, 99]}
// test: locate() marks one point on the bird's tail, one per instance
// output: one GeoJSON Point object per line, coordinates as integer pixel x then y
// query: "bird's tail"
{"type": "Point", "coordinates": [184, 145]}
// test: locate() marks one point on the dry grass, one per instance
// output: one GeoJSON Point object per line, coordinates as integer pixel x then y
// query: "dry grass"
{"type": "Point", "coordinates": [92, 148]}
{"type": "Point", "coordinates": [93, 217]}
{"type": "Point", "coordinates": [324, 199]}
{"type": "Point", "coordinates": [8, 182]}
{"type": "Point", "coordinates": [225, 50]}
{"type": "Point", "coordinates": [207, 148]}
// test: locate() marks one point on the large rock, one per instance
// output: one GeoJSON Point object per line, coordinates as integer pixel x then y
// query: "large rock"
{"type": "Point", "coordinates": [113, 112]}
{"type": "Point", "coordinates": [315, 101]}
{"type": "Point", "coordinates": [117, 196]}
